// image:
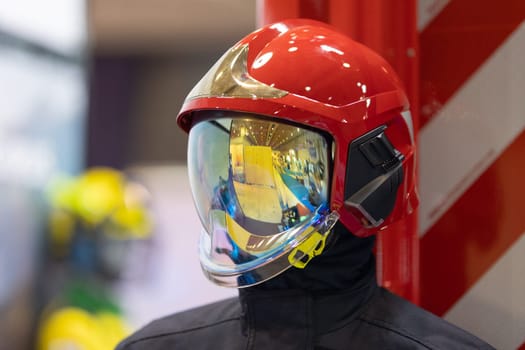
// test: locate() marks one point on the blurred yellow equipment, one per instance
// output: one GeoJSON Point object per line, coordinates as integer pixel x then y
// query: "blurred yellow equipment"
{"type": "Point", "coordinates": [74, 328]}
{"type": "Point", "coordinates": [101, 198]}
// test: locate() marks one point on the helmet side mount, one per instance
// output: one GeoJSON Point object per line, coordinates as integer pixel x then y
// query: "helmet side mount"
{"type": "Point", "coordinates": [373, 175]}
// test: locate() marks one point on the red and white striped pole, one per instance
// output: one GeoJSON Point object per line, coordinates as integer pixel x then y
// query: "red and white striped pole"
{"type": "Point", "coordinates": [472, 172]}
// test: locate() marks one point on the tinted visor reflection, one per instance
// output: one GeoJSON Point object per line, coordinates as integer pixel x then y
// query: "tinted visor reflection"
{"type": "Point", "coordinates": [271, 177]}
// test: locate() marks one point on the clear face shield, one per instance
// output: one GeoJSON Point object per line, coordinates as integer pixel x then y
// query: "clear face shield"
{"type": "Point", "coordinates": [261, 191]}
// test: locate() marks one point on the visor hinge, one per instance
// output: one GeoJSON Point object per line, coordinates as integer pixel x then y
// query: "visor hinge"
{"type": "Point", "coordinates": [377, 169]}
{"type": "Point", "coordinates": [380, 153]}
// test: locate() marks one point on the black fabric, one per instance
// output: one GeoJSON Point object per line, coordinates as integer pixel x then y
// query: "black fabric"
{"type": "Point", "coordinates": [347, 260]}
{"type": "Point", "coordinates": [334, 303]}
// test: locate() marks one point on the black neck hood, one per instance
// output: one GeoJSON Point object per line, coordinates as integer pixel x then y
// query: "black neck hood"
{"type": "Point", "coordinates": [346, 262]}
{"type": "Point", "coordinates": [326, 294]}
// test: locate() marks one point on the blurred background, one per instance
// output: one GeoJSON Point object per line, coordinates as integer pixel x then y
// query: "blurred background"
{"type": "Point", "coordinates": [98, 84]}
{"type": "Point", "coordinates": [98, 235]}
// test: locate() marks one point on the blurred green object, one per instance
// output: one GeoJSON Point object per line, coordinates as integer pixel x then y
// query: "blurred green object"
{"type": "Point", "coordinates": [89, 296]}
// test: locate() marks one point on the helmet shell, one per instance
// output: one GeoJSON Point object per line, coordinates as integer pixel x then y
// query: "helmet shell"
{"type": "Point", "coordinates": [330, 83]}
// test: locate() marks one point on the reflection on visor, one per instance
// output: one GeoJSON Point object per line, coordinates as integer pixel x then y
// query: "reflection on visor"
{"type": "Point", "coordinates": [259, 187]}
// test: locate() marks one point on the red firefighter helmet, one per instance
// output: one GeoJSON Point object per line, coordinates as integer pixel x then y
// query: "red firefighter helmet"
{"type": "Point", "coordinates": [295, 127]}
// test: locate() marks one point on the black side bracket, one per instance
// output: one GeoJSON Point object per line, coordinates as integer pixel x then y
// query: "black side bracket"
{"type": "Point", "coordinates": [374, 173]}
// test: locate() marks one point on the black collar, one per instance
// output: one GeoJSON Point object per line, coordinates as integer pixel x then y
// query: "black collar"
{"type": "Point", "coordinates": [330, 290]}
{"type": "Point", "coordinates": [319, 311]}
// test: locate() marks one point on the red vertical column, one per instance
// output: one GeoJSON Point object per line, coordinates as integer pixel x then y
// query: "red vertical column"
{"type": "Point", "coordinates": [269, 11]}
{"type": "Point", "coordinates": [388, 27]}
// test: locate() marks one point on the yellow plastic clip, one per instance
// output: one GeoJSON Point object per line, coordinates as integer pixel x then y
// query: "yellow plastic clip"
{"type": "Point", "coordinates": [307, 250]}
